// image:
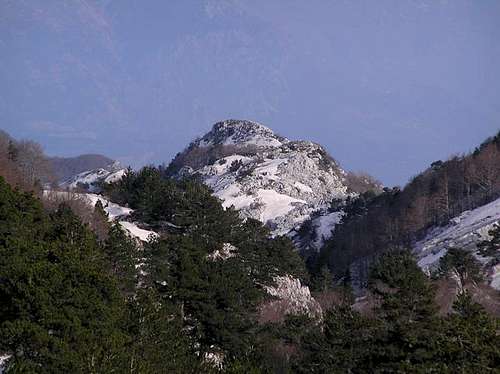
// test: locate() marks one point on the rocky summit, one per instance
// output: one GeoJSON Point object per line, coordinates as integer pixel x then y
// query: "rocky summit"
{"type": "Point", "coordinates": [265, 176]}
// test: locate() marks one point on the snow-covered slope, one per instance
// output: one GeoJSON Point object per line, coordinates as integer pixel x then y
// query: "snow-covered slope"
{"type": "Point", "coordinates": [265, 176]}
{"type": "Point", "coordinates": [464, 231]}
{"type": "Point", "coordinates": [119, 213]}
{"type": "Point", "coordinates": [91, 179]}
{"type": "Point", "coordinates": [114, 211]}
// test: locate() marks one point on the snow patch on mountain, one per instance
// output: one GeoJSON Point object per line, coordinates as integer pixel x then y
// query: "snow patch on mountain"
{"type": "Point", "coordinates": [114, 211]}
{"type": "Point", "coordinates": [464, 231]}
{"type": "Point", "coordinates": [90, 180]}
{"type": "Point", "coordinates": [323, 227]}
{"type": "Point", "coordinates": [137, 232]}
{"type": "Point", "coordinates": [119, 213]}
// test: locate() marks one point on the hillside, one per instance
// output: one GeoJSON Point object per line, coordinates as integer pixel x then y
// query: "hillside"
{"type": "Point", "coordinates": [464, 231]}
{"type": "Point", "coordinates": [399, 218]}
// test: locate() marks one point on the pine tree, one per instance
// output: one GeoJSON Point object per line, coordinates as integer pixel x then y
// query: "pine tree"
{"type": "Point", "coordinates": [469, 342]}
{"type": "Point", "coordinates": [406, 293]}
{"type": "Point", "coordinates": [60, 310]}
{"type": "Point", "coordinates": [322, 280]}
{"type": "Point", "coordinates": [462, 264]}
{"type": "Point", "coordinates": [408, 312]}
{"type": "Point", "coordinates": [121, 253]}
{"type": "Point", "coordinates": [159, 345]}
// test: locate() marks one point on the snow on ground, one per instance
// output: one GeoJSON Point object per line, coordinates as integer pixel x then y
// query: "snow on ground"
{"type": "Point", "coordinates": [323, 227]}
{"type": "Point", "coordinates": [259, 141]}
{"type": "Point", "coordinates": [137, 232]}
{"type": "Point", "coordinates": [495, 277]}
{"type": "Point", "coordinates": [115, 177]}
{"type": "Point", "coordinates": [115, 212]}
{"type": "Point", "coordinates": [269, 168]}
{"type": "Point", "coordinates": [90, 179]}
{"type": "Point", "coordinates": [464, 231]}
{"type": "Point", "coordinates": [302, 187]}
{"type": "Point", "coordinates": [86, 178]}
{"type": "Point", "coordinates": [275, 204]}
{"type": "Point", "coordinates": [431, 259]}
{"type": "Point", "coordinates": [232, 196]}
{"type": "Point", "coordinates": [269, 203]}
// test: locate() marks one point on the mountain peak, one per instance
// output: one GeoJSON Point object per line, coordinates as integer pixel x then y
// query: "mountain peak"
{"type": "Point", "coordinates": [241, 132]}
{"type": "Point", "coordinates": [264, 175]}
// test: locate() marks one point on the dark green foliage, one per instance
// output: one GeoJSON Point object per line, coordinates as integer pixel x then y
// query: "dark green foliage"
{"type": "Point", "coordinates": [406, 293]}
{"type": "Point", "coordinates": [404, 335]}
{"type": "Point", "coordinates": [346, 344]}
{"type": "Point", "coordinates": [159, 345]}
{"type": "Point", "coordinates": [217, 299]}
{"type": "Point", "coordinates": [61, 310]}
{"type": "Point", "coordinates": [407, 311]}
{"type": "Point", "coordinates": [121, 253]}
{"type": "Point", "coordinates": [322, 279]}
{"type": "Point", "coordinates": [470, 341]}
{"type": "Point", "coordinates": [461, 263]}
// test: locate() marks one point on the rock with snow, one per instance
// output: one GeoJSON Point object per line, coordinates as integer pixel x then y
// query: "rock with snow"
{"type": "Point", "coordinates": [464, 231]}
{"type": "Point", "coordinates": [90, 181]}
{"type": "Point", "coordinates": [265, 176]}
{"type": "Point", "coordinates": [3, 362]}
{"type": "Point", "coordinates": [293, 297]}
{"type": "Point", "coordinates": [228, 250]}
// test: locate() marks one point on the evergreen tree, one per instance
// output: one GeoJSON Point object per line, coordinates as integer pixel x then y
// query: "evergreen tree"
{"type": "Point", "coordinates": [159, 345]}
{"type": "Point", "coordinates": [322, 280]}
{"type": "Point", "coordinates": [121, 253]}
{"type": "Point", "coordinates": [461, 263]}
{"type": "Point", "coordinates": [469, 341]}
{"type": "Point", "coordinates": [406, 293]}
{"type": "Point", "coordinates": [59, 310]}
{"type": "Point", "coordinates": [408, 312]}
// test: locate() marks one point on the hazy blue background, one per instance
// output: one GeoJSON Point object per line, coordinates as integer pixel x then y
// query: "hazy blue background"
{"type": "Point", "coordinates": [385, 86]}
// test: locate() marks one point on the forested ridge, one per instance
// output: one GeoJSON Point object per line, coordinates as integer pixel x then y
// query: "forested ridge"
{"type": "Point", "coordinates": [80, 295]}
{"type": "Point", "coordinates": [396, 218]}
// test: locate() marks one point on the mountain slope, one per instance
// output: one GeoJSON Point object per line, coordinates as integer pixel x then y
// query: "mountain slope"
{"type": "Point", "coordinates": [66, 167]}
{"type": "Point", "coordinates": [265, 176]}
{"type": "Point", "coordinates": [464, 231]}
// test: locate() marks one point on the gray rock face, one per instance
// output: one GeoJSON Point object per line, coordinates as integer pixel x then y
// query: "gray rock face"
{"type": "Point", "coordinates": [265, 176]}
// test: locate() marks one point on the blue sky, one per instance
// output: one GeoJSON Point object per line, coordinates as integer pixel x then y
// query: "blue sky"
{"type": "Point", "coordinates": [386, 86]}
